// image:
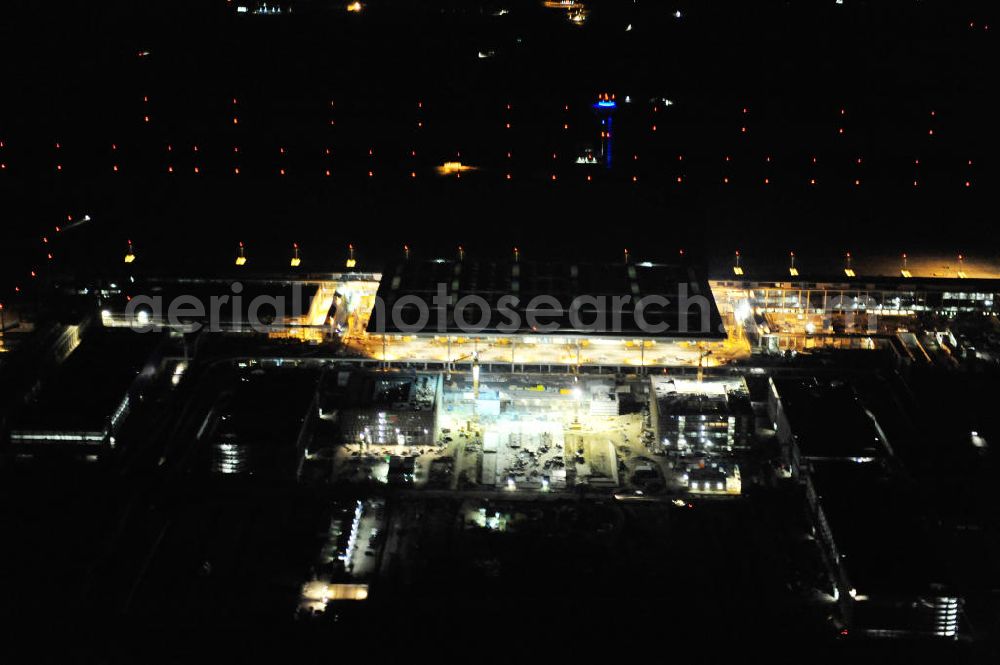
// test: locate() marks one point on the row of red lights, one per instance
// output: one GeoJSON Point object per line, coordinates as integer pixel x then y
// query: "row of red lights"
{"type": "Point", "coordinates": [412, 153]}
{"type": "Point", "coordinates": [508, 107]}
{"type": "Point", "coordinates": [726, 180]}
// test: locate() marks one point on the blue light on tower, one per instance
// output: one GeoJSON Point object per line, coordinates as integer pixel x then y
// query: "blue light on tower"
{"type": "Point", "coordinates": [604, 106]}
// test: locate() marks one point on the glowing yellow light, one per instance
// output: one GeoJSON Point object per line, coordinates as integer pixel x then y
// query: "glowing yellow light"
{"type": "Point", "coordinates": [354, 7]}
{"type": "Point", "coordinates": [449, 168]}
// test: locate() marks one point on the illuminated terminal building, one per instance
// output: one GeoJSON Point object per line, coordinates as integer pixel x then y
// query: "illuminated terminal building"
{"type": "Point", "coordinates": [891, 296]}
{"type": "Point", "coordinates": [379, 314]}
{"type": "Point", "coordinates": [849, 309]}
{"type": "Point", "coordinates": [521, 313]}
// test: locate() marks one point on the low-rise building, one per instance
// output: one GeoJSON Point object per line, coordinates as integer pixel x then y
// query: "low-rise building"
{"type": "Point", "coordinates": [817, 420]}
{"type": "Point", "coordinates": [711, 415]}
{"type": "Point", "coordinates": [380, 408]}
{"type": "Point", "coordinates": [885, 554]}
{"type": "Point", "coordinates": [82, 406]}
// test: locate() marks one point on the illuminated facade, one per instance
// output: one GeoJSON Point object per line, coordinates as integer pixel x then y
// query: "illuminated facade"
{"type": "Point", "coordinates": [713, 415]}
{"type": "Point", "coordinates": [544, 314]}
{"type": "Point", "coordinates": [377, 409]}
